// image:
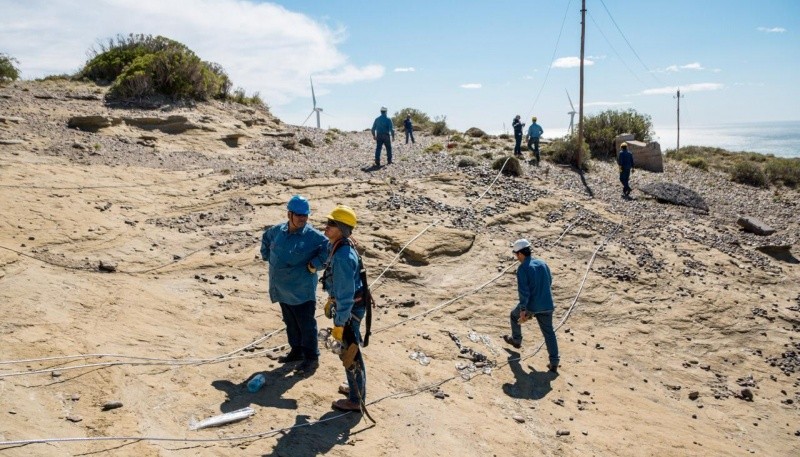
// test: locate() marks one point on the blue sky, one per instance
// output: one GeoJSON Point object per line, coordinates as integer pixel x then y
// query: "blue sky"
{"type": "Point", "coordinates": [477, 62]}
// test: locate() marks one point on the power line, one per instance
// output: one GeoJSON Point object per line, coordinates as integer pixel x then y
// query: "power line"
{"type": "Point", "coordinates": [614, 49]}
{"type": "Point", "coordinates": [629, 43]}
{"type": "Point", "coordinates": [552, 58]}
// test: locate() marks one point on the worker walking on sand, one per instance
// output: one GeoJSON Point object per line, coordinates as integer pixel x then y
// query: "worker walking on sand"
{"type": "Point", "coordinates": [535, 300]}
{"type": "Point", "coordinates": [383, 134]}
{"type": "Point", "coordinates": [625, 162]}
{"type": "Point", "coordinates": [535, 132]}
{"type": "Point", "coordinates": [295, 251]}
{"type": "Point", "coordinates": [348, 303]}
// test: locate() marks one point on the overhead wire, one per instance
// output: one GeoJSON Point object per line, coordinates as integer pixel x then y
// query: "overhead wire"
{"type": "Point", "coordinates": [614, 49]}
{"type": "Point", "coordinates": [552, 59]}
{"type": "Point", "coordinates": [629, 43]}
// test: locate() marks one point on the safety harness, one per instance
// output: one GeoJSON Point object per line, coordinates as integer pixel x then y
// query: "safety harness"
{"type": "Point", "coordinates": [363, 296]}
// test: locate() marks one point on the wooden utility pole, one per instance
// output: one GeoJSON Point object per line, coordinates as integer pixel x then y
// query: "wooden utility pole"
{"type": "Point", "coordinates": [580, 108]}
{"type": "Point", "coordinates": [678, 147]}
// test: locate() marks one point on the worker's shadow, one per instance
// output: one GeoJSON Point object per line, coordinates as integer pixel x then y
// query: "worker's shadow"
{"type": "Point", "coordinates": [371, 168]}
{"type": "Point", "coordinates": [533, 386]}
{"type": "Point", "coordinates": [278, 381]}
{"type": "Point", "coordinates": [333, 428]}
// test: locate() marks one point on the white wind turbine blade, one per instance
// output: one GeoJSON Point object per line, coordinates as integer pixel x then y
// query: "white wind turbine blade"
{"type": "Point", "coordinates": [313, 98]}
{"type": "Point", "coordinates": [309, 117]}
{"type": "Point", "coordinates": [570, 100]}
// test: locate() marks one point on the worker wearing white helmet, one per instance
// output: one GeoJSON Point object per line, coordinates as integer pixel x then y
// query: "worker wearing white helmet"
{"type": "Point", "coordinates": [535, 299]}
{"type": "Point", "coordinates": [535, 132]}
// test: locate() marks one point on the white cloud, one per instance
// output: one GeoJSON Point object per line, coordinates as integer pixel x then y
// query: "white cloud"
{"type": "Point", "coordinates": [699, 87]}
{"type": "Point", "coordinates": [771, 29]}
{"type": "Point", "coordinates": [471, 86]}
{"type": "Point", "coordinates": [571, 62]}
{"type": "Point", "coordinates": [677, 68]}
{"type": "Point", "coordinates": [404, 69]}
{"type": "Point", "coordinates": [263, 47]}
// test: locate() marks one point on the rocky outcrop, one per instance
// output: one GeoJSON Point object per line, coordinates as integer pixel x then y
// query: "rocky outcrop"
{"type": "Point", "coordinates": [475, 132]}
{"type": "Point", "coordinates": [92, 123]}
{"type": "Point", "coordinates": [171, 125]}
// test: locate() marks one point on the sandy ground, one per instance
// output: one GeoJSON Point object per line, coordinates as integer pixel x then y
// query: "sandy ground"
{"type": "Point", "coordinates": [668, 314]}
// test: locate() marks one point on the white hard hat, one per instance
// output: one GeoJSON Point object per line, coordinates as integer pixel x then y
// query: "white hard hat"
{"type": "Point", "coordinates": [520, 245]}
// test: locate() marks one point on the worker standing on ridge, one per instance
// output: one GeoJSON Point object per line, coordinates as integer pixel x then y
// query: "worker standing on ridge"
{"type": "Point", "coordinates": [409, 128]}
{"type": "Point", "coordinates": [347, 303]}
{"type": "Point", "coordinates": [535, 299]}
{"type": "Point", "coordinates": [383, 134]}
{"type": "Point", "coordinates": [535, 132]}
{"type": "Point", "coordinates": [517, 125]}
{"type": "Point", "coordinates": [295, 251]}
{"type": "Point", "coordinates": [625, 162]}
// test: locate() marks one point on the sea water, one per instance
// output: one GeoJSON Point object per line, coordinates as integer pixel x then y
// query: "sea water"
{"type": "Point", "coordinates": [780, 138]}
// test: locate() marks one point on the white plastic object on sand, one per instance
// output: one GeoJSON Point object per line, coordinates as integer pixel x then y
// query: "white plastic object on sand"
{"type": "Point", "coordinates": [223, 419]}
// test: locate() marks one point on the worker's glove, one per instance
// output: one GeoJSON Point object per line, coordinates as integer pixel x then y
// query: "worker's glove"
{"type": "Point", "coordinates": [311, 268]}
{"type": "Point", "coordinates": [524, 316]}
{"type": "Point", "coordinates": [330, 307]}
{"type": "Point", "coordinates": [337, 333]}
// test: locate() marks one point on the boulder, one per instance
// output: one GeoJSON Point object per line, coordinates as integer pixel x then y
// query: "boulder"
{"type": "Point", "coordinates": [475, 132]}
{"type": "Point", "coordinates": [677, 195]}
{"type": "Point", "coordinates": [753, 225]}
{"type": "Point", "coordinates": [436, 242]}
{"type": "Point", "coordinates": [232, 140]}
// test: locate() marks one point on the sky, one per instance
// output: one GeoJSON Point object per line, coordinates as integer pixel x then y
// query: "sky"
{"type": "Point", "coordinates": [478, 63]}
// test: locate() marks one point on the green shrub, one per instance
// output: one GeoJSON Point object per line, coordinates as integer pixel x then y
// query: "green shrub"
{"type": "Point", "coordinates": [467, 162]}
{"type": "Point", "coordinates": [783, 171]}
{"type": "Point", "coordinates": [697, 162]}
{"type": "Point", "coordinates": [112, 58]}
{"type": "Point", "coordinates": [749, 173]}
{"type": "Point", "coordinates": [439, 126]}
{"type": "Point", "coordinates": [512, 167]}
{"type": "Point", "coordinates": [475, 132]}
{"type": "Point", "coordinates": [435, 147]}
{"type": "Point", "coordinates": [504, 136]}
{"type": "Point", "coordinates": [601, 129]}
{"type": "Point", "coordinates": [565, 151]}
{"type": "Point", "coordinates": [457, 138]}
{"type": "Point", "coordinates": [8, 68]}
{"type": "Point", "coordinates": [419, 120]}
{"type": "Point", "coordinates": [487, 155]}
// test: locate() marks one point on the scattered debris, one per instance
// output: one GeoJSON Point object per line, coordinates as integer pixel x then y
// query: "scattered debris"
{"type": "Point", "coordinates": [222, 419]}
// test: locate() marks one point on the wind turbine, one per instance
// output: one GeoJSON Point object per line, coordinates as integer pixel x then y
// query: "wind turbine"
{"type": "Point", "coordinates": [571, 113]}
{"type": "Point", "coordinates": [314, 100]}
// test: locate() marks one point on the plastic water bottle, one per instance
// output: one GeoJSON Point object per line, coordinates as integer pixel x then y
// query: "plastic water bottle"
{"type": "Point", "coordinates": [255, 384]}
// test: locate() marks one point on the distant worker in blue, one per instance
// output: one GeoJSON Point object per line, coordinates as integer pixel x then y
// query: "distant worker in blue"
{"type": "Point", "coordinates": [409, 128]}
{"type": "Point", "coordinates": [535, 132]}
{"type": "Point", "coordinates": [294, 251]}
{"type": "Point", "coordinates": [625, 162]}
{"type": "Point", "coordinates": [534, 283]}
{"type": "Point", "coordinates": [517, 125]}
{"type": "Point", "coordinates": [383, 134]}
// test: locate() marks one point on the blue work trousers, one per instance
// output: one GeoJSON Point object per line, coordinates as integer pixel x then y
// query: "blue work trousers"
{"type": "Point", "coordinates": [624, 178]}
{"type": "Point", "coordinates": [301, 328]}
{"type": "Point", "coordinates": [409, 134]}
{"type": "Point", "coordinates": [535, 149]}
{"type": "Point", "coordinates": [357, 374]}
{"type": "Point", "coordinates": [545, 321]}
{"type": "Point", "coordinates": [383, 139]}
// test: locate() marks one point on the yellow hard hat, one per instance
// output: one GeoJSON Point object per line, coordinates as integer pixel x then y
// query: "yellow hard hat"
{"type": "Point", "coordinates": [533, 118]}
{"type": "Point", "coordinates": [623, 145]}
{"type": "Point", "coordinates": [343, 214]}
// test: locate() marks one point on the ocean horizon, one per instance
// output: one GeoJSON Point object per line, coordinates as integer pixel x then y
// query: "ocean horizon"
{"type": "Point", "coordinates": [779, 138]}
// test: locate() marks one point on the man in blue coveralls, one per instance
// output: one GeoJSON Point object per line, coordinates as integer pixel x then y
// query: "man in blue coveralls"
{"type": "Point", "coordinates": [295, 251]}
{"type": "Point", "coordinates": [535, 300]}
{"type": "Point", "coordinates": [625, 162]}
{"type": "Point", "coordinates": [383, 134]}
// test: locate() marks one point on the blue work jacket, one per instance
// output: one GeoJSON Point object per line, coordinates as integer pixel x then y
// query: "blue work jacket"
{"type": "Point", "coordinates": [382, 124]}
{"type": "Point", "coordinates": [533, 282]}
{"type": "Point", "coordinates": [288, 254]}
{"type": "Point", "coordinates": [625, 159]}
{"type": "Point", "coordinates": [343, 282]}
{"type": "Point", "coordinates": [535, 130]}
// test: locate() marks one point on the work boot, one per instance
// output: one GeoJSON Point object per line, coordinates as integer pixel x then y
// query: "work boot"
{"type": "Point", "coordinates": [509, 340]}
{"type": "Point", "coordinates": [290, 357]}
{"type": "Point", "coordinates": [307, 367]}
{"type": "Point", "coordinates": [552, 368]}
